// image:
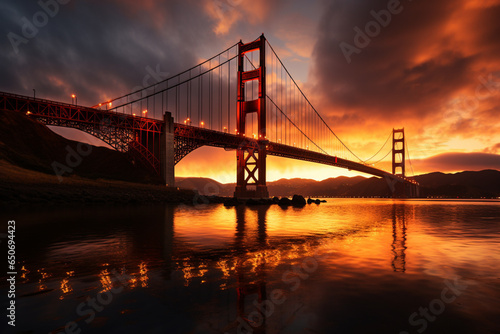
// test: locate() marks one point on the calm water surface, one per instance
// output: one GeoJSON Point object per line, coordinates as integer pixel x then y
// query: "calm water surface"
{"type": "Point", "coordinates": [347, 266]}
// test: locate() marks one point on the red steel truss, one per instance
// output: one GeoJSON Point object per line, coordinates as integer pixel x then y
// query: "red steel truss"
{"type": "Point", "coordinates": [120, 131]}
{"type": "Point", "coordinates": [141, 152]}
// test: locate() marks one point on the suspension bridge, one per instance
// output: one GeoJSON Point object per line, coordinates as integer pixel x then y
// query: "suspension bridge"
{"type": "Point", "coordinates": [242, 99]}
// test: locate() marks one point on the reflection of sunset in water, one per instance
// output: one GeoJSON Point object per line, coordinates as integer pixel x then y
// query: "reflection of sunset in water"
{"type": "Point", "coordinates": [140, 278]}
{"type": "Point", "coordinates": [242, 254]}
{"type": "Point", "coordinates": [105, 279]}
{"type": "Point", "coordinates": [43, 276]}
{"type": "Point", "coordinates": [66, 288]}
{"type": "Point", "coordinates": [24, 272]}
{"type": "Point", "coordinates": [374, 241]}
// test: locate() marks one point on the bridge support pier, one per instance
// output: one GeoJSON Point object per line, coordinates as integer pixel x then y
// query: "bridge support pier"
{"type": "Point", "coordinates": [168, 150]}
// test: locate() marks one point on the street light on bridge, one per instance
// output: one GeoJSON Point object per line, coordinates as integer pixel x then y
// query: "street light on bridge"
{"type": "Point", "coordinates": [145, 113]}
{"type": "Point", "coordinates": [74, 99]}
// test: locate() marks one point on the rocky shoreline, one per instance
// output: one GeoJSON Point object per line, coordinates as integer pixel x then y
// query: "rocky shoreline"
{"type": "Point", "coordinates": [297, 201]}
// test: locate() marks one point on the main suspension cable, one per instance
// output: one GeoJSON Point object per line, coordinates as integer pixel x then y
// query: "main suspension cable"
{"type": "Point", "coordinates": [310, 104]}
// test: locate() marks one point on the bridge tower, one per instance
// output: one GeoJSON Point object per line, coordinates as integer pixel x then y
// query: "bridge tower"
{"type": "Point", "coordinates": [251, 154]}
{"type": "Point", "coordinates": [398, 152]}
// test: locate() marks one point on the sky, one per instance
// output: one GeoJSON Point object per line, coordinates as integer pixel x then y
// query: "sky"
{"type": "Point", "coordinates": [431, 67]}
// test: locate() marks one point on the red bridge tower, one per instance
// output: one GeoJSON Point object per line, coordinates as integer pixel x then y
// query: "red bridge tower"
{"type": "Point", "coordinates": [398, 152]}
{"type": "Point", "coordinates": [251, 154]}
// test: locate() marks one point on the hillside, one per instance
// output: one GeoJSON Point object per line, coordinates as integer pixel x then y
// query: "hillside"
{"type": "Point", "coordinates": [485, 183]}
{"type": "Point", "coordinates": [29, 149]}
{"type": "Point", "coordinates": [31, 145]}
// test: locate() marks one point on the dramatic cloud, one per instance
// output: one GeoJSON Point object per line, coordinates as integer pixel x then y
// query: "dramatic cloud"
{"type": "Point", "coordinates": [456, 162]}
{"type": "Point", "coordinates": [100, 50]}
{"type": "Point", "coordinates": [431, 67]}
{"type": "Point", "coordinates": [495, 149]}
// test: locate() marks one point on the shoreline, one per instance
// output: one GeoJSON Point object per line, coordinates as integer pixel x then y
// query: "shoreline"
{"type": "Point", "coordinates": [19, 186]}
{"type": "Point", "coordinates": [96, 192]}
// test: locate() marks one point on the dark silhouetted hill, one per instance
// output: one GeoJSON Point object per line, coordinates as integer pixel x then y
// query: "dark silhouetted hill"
{"type": "Point", "coordinates": [205, 186]}
{"type": "Point", "coordinates": [484, 183]}
{"type": "Point", "coordinates": [464, 185]}
{"type": "Point", "coordinates": [28, 149]}
{"type": "Point", "coordinates": [29, 144]}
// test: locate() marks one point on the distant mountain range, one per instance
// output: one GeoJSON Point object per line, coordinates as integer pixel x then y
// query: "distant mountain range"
{"type": "Point", "coordinates": [480, 184]}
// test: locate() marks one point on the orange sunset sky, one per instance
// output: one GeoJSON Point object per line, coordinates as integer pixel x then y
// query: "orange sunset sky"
{"type": "Point", "coordinates": [432, 67]}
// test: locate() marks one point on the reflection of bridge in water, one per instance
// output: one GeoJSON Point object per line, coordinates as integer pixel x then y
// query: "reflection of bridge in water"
{"type": "Point", "coordinates": [399, 237]}
{"type": "Point", "coordinates": [251, 258]}
{"type": "Point", "coordinates": [244, 271]}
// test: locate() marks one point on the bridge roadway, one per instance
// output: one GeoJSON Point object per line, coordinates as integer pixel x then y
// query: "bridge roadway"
{"type": "Point", "coordinates": [231, 141]}
{"type": "Point", "coordinates": [117, 129]}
